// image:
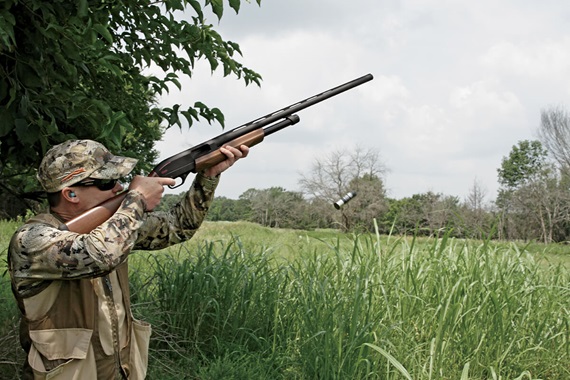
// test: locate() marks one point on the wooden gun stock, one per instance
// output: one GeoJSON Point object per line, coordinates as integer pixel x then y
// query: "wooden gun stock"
{"type": "Point", "coordinates": [89, 220]}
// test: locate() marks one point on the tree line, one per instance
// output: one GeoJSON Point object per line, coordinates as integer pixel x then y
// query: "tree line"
{"type": "Point", "coordinates": [422, 214]}
{"type": "Point", "coordinates": [533, 202]}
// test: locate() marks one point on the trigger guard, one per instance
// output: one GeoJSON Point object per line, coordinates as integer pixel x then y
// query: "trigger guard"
{"type": "Point", "coordinates": [182, 180]}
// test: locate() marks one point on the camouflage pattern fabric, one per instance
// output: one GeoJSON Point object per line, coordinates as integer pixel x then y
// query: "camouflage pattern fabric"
{"type": "Point", "coordinates": [39, 252]}
{"type": "Point", "coordinates": [74, 160]}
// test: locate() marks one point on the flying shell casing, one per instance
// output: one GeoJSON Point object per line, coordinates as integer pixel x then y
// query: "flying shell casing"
{"type": "Point", "coordinates": [338, 204]}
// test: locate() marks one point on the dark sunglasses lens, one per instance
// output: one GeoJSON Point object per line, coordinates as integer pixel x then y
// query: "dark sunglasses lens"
{"type": "Point", "coordinates": [105, 184]}
{"type": "Point", "coordinates": [101, 184]}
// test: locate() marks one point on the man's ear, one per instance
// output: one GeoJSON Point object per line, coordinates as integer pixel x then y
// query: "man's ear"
{"type": "Point", "coordinates": [69, 195]}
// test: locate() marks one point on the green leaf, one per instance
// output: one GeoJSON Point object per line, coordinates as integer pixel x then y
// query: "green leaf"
{"type": "Point", "coordinates": [197, 8]}
{"type": "Point", "coordinates": [25, 132]}
{"type": "Point", "coordinates": [173, 78]}
{"type": "Point", "coordinates": [174, 118]}
{"type": "Point", "coordinates": [190, 115]}
{"type": "Point", "coordinates": [24, 106]}
{"type": "Point", "coordinates": [13, 94]}
{"type": "Point", "coordinates": [6, 121]}
{"type": "Point", "coordinates": [201, 106]}
{"type": "Point", "coordinates": [174, 5]}
{"type": "Point", "coordinates": [392, 360]}
{"type": "Point", "coordinates": [82, 8]}
{"type": "Point", "coordinates": [104, 32]}
{"type": "Point", "coordinates": [219, 116]}
{"type": "Point", "coordinates": [235, 4]}
{"type": "Point", "coordinates": [65, 66]}
{"type": "Point", "coordinates": [465, 372]}
{"type": "Point", "coordinates": [28, 75]}
{"type": "Point", "coordinates": [218, 8]}
{"type": "Point", "coordinates": [7, 23]}
{"type": "Point", "coordinates": [71, 50]}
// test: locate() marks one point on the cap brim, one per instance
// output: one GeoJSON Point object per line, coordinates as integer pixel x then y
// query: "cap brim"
{"type": "Point", "coordinates": [115, 167]}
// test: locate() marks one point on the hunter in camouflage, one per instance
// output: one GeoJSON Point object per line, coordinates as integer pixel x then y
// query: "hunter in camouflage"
{"type": "Point", "coordinates": [72, 289]}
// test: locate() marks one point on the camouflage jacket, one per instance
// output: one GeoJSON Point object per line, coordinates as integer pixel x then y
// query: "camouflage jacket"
{"type": "Point", "coordinates": [40, 252]}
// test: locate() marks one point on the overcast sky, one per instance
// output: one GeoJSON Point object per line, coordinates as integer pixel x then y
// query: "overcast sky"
{"type": "Point", "coordinates": [456, 84]}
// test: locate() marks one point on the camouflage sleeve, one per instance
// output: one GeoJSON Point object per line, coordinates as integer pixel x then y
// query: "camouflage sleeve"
{"type": "Point", "coordinates": [40, 251]}
{"type": "Point", "coordinates": [162, 229]}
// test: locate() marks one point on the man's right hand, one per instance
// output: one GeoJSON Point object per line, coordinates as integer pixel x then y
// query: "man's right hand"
{"type": "Point", "coordinates": [151, 189]}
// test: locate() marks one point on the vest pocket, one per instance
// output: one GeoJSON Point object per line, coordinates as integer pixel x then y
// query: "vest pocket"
{"type": "Point", "coordinates": [140, 339]}
{"type": "Point", "coordinates": [62, 354]}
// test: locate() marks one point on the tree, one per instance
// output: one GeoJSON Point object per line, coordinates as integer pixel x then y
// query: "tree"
{"type": "Point", "coordinates": [274, 207]}
{"type": "Point", "coordinates": [76, 69]}
{"type": "Point", "coordinates": [369, 204]}
{"type": "Point", "coordinates": [423, 214]}
{"type": "Point", "coordinates": [345, 170]}
{"type": "Point", "coordinates": [544, 205]}
{"type": "Point", "coordinates": [524, 163]}
{"type": "Point", "coordinates": [475, 200]}
{"type": "Point", "coordinates": [554, 133]}
{"type": "Point", "coordinates": [231, 210]}
{"type": "Point", "coordinates": [533, 200]}
{"type": "Point", "coordinates": [475, 212]}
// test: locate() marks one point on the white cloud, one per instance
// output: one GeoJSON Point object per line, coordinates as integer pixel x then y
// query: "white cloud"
{"type": "Point", "coordinates": [536, 59]}
{"type": "Point", "coordinates": [457, 84]}
{"type": "Point", "coordinates": [485, 98]}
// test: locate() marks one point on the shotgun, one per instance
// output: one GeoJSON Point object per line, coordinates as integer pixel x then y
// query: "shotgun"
{"type": "Point", "coordinates": [207, 154]}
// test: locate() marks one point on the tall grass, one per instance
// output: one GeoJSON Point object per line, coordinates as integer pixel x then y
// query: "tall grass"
{"type": "Point", "coordinates": [11, 355]}
{"type": "Point", "coordinates": [355, 307]}
{"type": "Point", "coordinates": [262, 303]}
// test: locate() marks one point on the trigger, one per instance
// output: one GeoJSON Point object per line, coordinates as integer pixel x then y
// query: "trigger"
{"type": "Point", "coordinates": [179, 181]}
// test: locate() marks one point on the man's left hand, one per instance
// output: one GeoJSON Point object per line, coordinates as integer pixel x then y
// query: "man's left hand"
{"type": "Point", "coordinates": [232, 154]}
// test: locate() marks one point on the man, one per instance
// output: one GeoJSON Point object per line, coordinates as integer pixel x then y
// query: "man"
{"type": "Point", "coordinates": [72, 289]}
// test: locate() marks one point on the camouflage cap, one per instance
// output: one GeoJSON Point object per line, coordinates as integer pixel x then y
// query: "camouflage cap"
{"type": "Point", "coordinates": [74, 160]}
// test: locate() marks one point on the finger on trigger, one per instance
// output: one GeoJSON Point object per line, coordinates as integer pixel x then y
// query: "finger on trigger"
{"type": "Point", "coordinates": [165, 181]}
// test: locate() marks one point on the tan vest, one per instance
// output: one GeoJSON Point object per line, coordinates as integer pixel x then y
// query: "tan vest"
{"type": "Point", "coordinates": [60, 330]}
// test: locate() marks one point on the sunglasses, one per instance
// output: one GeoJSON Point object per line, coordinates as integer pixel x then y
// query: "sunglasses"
{"type": "Point", "coordinates": [101, 184]}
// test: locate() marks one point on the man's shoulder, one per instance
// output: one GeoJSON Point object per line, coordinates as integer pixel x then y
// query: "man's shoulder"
{"type": "Point", "coordinates": [36, 223]}
{"type": "Point", "coordinates": [44, 218]}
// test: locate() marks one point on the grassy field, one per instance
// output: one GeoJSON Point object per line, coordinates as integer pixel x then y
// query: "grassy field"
{"type": "Point", "coordinates": [240, 301]}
